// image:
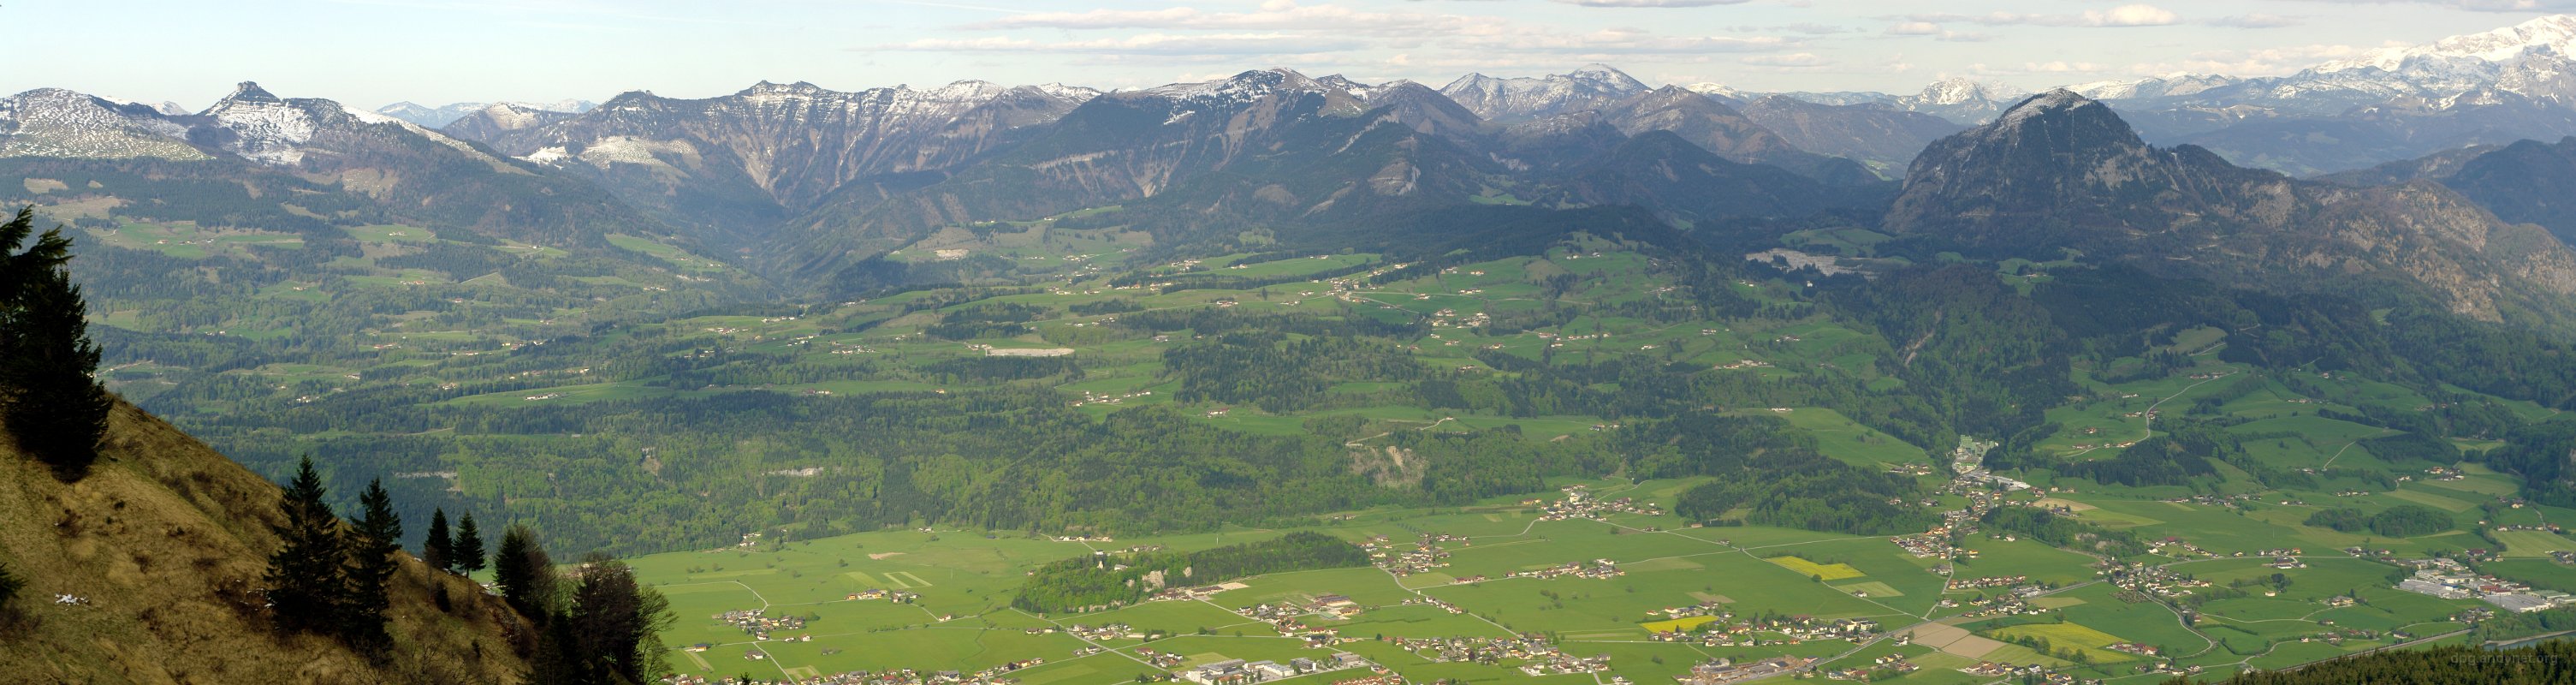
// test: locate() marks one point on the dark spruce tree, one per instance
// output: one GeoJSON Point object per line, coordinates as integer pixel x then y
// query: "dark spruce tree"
{"type": "Point", "coordinates": [615, 623]}
{"type": "Point", "coordinates": [55, 409]}
{"type": "Point", "coordinates": [436, 550]}
{"type": "Point", "coordinates": [524, 572]}
{"type": "Point", "coordinates": [467, 552]}
{"type": "Point", "coordinates": [306, 583]}
{"type": "Point", "coordinates": [375, 538]}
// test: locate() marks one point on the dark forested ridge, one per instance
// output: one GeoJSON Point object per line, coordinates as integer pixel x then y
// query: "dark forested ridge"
{"type": "Point", "coordinates": [2547, 662]}
{"type": "Point", "coordinates": [1106, 580]}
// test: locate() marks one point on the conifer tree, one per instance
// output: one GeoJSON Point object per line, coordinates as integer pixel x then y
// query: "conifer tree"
{"type": "Point", "coordinates": [524, 572]}
{"type": "Point", "coordinates": [617, 622]}
{"type": "Point", "coordinates": [306, 586]}
{"type": "Point", "coordinates": [468, 548]}
{"type": "Point", "coordinates": [54, 408]}
{"type": "Point", "coordinates": [375, 537]}
{"type": "Point", "coordinates": [435, 550]}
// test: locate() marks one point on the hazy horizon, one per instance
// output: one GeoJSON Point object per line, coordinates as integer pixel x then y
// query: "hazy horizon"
{"type": "Point", "coordinates": [371, 53]}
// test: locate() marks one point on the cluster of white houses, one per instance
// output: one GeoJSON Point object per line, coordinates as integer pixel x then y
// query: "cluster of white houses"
{"type": "Point", "coordinates": [1725, 671]}
{"type": "Point", "coordinates": [1580, 504]}
{"type": "Point", "coordinates": [1238, 672]}
{"type": "Point", "coordinates": [2450, 579]}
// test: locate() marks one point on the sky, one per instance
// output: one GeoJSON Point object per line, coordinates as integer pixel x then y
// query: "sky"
{"type": "Point", "coordinates": [374, 52]}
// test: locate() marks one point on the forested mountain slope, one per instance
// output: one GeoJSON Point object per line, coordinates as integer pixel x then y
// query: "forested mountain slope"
{"type": "Point", "coordinates": [2527, 181]}
{"type": "Point", "coordinates": [2063, 172]}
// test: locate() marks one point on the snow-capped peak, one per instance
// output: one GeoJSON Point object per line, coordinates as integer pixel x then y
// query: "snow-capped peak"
{"type": "Point", "coordinates": [1953, 91]}
{"type": "Point", "coordinates": [2043, 103]}
{"type": "Point", "coordinates": [52, 122]}
{"type": "Point", "coordinates": [246, 91]}
{"type": "Point", "coordinates": [965, 91]}
{"type": "Point", "coordinates": [768, 89]}
{"type": "Point", "coordinates": [2556, 33]}
{"type": "Point", "coordinates": [1246, 84]}
{"type": "Point", "coordinates": [1491, 97]}
{"type": "Point", "coordinates": [1073, 93]}
{"type": "Point", "coordinates": [1718, 89]}
{"type": "Point", "coordinates": [1608, 76]}
{"type": "Point", "coordinates": [369, 117]}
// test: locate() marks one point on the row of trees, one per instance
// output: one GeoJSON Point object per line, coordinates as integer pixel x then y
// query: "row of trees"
{"type": "Point", "coordinates": [597, 625]}
{"type": "Point", "coordinates": [48, 400]}
{"type": "Point", "coordinates": [2401, 521]}
{"type": "Point", "coordinates": [460, 551]}
{"type": "Point", "coordinates": [331, 576]}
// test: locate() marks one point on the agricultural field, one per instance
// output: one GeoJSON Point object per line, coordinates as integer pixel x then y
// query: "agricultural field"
{"type": "Point", "coordinates": [578, 384]}
{"type": "Point", "coordinates": [959, 613]}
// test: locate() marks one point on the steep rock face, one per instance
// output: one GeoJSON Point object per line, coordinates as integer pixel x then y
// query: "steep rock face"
{"type": "Point", "coordinates": [1883, 137]}
{"type": "Point", "coordinates": [165, 545]}
{"type": "Point", "coordinates": [2062, 171]}
{"type": "Point", "coordinates": [1531, 97]}
{"type": "Point", "coordinates": [52, 122]}
{"type": "Point", "coordinates": [771, 150]}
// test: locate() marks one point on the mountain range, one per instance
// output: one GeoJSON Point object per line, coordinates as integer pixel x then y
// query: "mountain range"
{"type": "Point", "coordinates": [803, 183]}
{"type": "Point", "coordinates": [436, 117]}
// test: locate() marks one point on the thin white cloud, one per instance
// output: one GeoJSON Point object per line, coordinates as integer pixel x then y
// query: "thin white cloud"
{"type": "Point", "coordinates": [2123, 16]}
{"type": "Point", "coordinates": [2255, 62]}
{"type": "Point", "coordinates": [1652, 3]}
{"type": "Point", "coordinates": [2030, 68]}
{"type": "Point", "coordinates": [2131, 15]}
{"type": "Point", "coordinates": [1143, 44]}
{"type": "Point", "coordinates": [1275, 15]}
{"type": "Point", "coordinates": [1935, 32]}
{"type": "Point", "coordinates": [2474, 5]}
{"type": "Point", "coordinates": [1795, 59]}
{"type": "Point", "coordinates": [1625, 41]}
{"type": "Point", "coordinates": [2256, 21]}
{"type": "Point", "coordinates": [1806, 28]}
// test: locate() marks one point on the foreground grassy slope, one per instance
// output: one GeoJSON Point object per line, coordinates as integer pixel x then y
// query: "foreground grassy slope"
{"type": "Point", "coordinates": [164, 545]}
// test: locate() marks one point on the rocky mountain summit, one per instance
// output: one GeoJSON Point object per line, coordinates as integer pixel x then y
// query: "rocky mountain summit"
{"type": "Point", "coordinates": [2060, 171]}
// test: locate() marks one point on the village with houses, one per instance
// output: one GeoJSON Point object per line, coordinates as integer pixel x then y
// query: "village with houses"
{"type": "Point", "coordinates": [1338, 634]}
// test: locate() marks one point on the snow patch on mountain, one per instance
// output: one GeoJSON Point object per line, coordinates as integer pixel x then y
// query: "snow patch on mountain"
{"type": "Point", "coordinates": [52, 122]}
{"type": "Point", "coordinates": [440, 117]}
{"type": "Point", "coordinates": [2555, 33]}
{"type": "Point", "coordinates": [1584, 88]}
